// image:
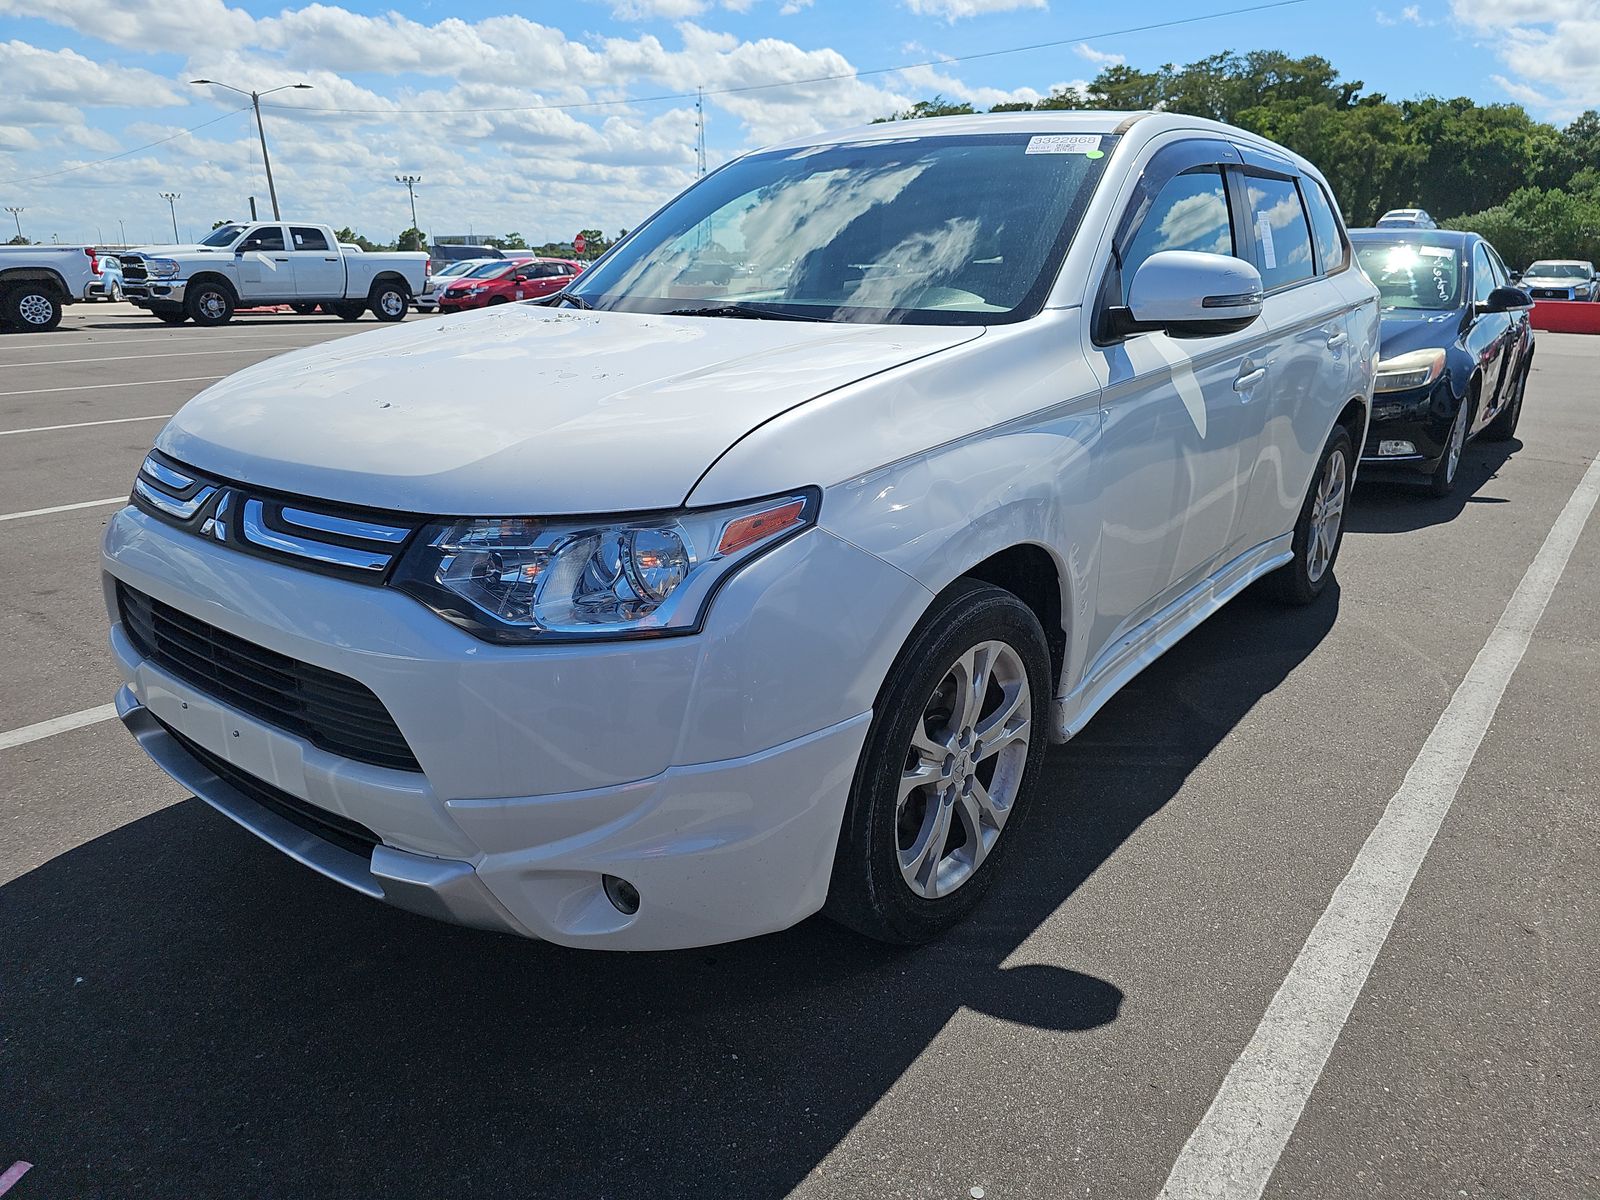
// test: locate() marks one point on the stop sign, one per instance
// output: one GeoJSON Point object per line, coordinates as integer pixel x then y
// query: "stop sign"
{"type": "Point", "coordinates": [578, 244]}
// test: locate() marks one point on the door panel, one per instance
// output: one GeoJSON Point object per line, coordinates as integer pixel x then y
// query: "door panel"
{"type": "Point", "coordinates": [318, 268]}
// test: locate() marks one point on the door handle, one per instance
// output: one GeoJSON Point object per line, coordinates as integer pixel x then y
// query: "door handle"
{"type": "Point", "coordinates": [1249, 380]}
{"type": "Point", "coordinates": [330, 260]}
{"type": "Point", "coordinates": [1335, 340]}
{"type": "Point", "coordinates": [275, 258]}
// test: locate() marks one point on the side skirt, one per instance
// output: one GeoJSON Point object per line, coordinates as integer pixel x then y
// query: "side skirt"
{"type": "Point", "coordinates": [1141, 647]}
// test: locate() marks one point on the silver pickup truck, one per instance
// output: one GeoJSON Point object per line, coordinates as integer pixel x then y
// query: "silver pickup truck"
{"type": "Point", "coordinates": [37, 282]}
{"type": "Point", "coordinates": [257, 264]}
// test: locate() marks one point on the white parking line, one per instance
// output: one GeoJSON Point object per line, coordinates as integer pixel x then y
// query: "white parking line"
{"type": "Point", "coordinates": [73, 362]}
{"type": "Point", "coordinates": [41, 512]}
{"type": "Point", "coordinates": [85, 424]}
{"type": "Point", "coordinates": [89, 387]}
{"type": "Point", "coordinates": [44, 729]}
{"type": "Point", "coordinates": [1236, 1147]}
{"type": "Point", "coordinates": [155, 338]}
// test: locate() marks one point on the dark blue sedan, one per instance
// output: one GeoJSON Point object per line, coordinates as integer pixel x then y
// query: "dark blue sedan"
{"type": "Point", "coordinates": [1457, 347]}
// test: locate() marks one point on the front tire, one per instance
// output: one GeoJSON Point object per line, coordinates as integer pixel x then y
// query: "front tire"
{"type": "Point", "coordinates": [1319, 532]}
{"type": "Point", "coordinates": [209, 304]}
{"type": "Point", "coordinates": [31, 308]}
{"type": "Point", "coordinates": [390, 302]}
{"type": "Point", "coordinates": [349, 310]}
{"type": "Point", "coordinates": [951, 762]}
{"type": "Point", "coordinates": [1443, 480]}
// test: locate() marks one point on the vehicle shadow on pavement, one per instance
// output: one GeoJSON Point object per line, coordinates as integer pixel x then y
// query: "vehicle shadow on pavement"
{"type": "Point", "coordinates": [1382, 506]}
{"type": "Point", "coordinates": [187, 1013]}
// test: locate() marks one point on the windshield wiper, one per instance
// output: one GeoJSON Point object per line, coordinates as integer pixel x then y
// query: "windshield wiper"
{"type": "Point", "coordinates": [746, 311]}
{"type": "Point", "coordinates": [575, 301]}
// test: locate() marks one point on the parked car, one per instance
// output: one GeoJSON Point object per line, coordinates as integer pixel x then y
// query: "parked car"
{"type": "Point", "coordinates": [1407, 218]}
{"type": "Point", "coordinates": [637, 621]}
{"type": "Point", "coordinates": [1457, 349]}
{"type": "Point", "coordinates": [262, 264]}
{"type": "Point", "coordinates": [459, 252]}
{"type": "Point", "coordinates": [502, 283]}
{"type": "Point", "coordinates": [428, 298]}
{"type": "Point", "coordinates": [1560, 279]}
{"type": "Point", "coordinates": [38, 282]}
{"type": "Point", "coordinates": [107, 283]}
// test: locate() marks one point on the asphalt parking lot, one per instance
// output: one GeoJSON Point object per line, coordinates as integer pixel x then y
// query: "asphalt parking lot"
{"type": "Point", "coordinates": [185, 1012]}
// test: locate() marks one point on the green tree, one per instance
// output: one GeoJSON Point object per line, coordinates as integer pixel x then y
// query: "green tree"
{"type": "Point", "coordinates": [410, 239]}
{"type": "Point", "coordinates": [937, 107]}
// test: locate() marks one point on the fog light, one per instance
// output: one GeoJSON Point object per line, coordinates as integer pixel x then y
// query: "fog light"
{"type": "Point", "coordinates": [1391, 449]}
{"type": "Point", "coordinates": [623, 895]}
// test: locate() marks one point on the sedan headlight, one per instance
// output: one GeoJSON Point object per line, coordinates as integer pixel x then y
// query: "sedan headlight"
{"type": "Point", "coordinates": [1406, 371]}
{"type": "Point", "coordinates": [162, 268]}
{"type": "Point", "coordinates": [520, 579]}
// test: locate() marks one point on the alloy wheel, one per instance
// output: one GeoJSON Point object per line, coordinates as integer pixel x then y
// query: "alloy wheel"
{"type": "Point", "coordinates": [1458, 439]}
{"type": "Point", "coordinates": [963, 769]}
{"type": "Point", "coordinates": [212, 305]}
{"type": "Point", "coordinates": [36, 309]}
{"type": "Point", "coordinates": [1327, 515]}
{"type": "Point", "coordinates": [391, 304]}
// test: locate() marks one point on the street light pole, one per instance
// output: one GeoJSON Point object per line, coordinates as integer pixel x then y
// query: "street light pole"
{"type": "Point", "coordinates": [16, 211]}
{"type": "Point", "coordinates": [255, 102]}
{"type": "Point", "coordinates": [172, 199]}
{"type": "Point", "coordinates": [411, 182]}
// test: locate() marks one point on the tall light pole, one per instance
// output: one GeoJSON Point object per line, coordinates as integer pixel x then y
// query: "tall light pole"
{"type": "Point", "coordinates": [172, 199]}
{"type": "Point", "coordinates": [16, 211]}
{"type": "Point", "coordinates": [255, 100]}
{"type": "Point", "coordinates": [411, 182]}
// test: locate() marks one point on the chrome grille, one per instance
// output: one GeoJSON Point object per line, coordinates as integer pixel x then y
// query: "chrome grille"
{"type": "Point", "coordinates": [351, 544]}
{"type": "Point", "coordinates": [329, 710]}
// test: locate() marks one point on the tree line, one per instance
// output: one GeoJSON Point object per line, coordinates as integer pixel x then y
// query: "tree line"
{"type": "Point", "coordinates": [596, 242]}
{"type": "Point", "coordinates": [1533, 189]}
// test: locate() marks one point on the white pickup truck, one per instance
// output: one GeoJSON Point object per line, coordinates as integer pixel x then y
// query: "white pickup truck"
{"type": "Point", "coordinates": [256, 264]}
{"type": "Point", "coordinates": [36, 282]}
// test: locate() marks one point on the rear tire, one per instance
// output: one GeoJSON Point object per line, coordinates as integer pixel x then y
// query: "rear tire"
{"type": "Point", "coordinates": [1504, 427]}
{"type": "Point", "coordinates": [31, 307]}
{"type": "Point", "coordinates": [922, 834]}
{"type": "Point", "coordinates": [390, 301]}
{"type": "Point", "coordinates": [1319, 532]}
{"type": "Point", "coordinates": [305, 310]}
{"type": "Point", "coordinates": [209, 303]}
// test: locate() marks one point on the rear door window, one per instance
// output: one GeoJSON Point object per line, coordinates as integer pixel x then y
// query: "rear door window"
{"type": "Point", "coordinates": [308, 239]}
{"type": "Point", "coordinates": [1280, 230]}
{"type": "Point", "coordinates": [1332, 255]}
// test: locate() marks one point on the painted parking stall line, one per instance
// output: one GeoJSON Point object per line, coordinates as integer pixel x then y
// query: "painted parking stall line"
{"type": "Point", "coordinates": [109, 358]}
{"type": "Point", "coordinates": [84, 424]}
{"type": "Point", "coordinates": [40, 730]}
{"type": "Point", "coordinates": [61, 508]}
{"type": "Point", "coordinates": [91, 387]}
{"type": "Point", "coordinates": [1234, 1150]}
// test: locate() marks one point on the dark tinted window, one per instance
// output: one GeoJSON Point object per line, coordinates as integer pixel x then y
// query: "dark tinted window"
{"type": "Point", "coordinates": [1324, 227]}
{"type": "Point", "coordinates": [1482, 275]}
{"type": "Point", "coordinates": [1190, 213]}
{"type": "Point", "coordinates": [308, 239]}
{"type": "Point", "coordinates": [1282, 236]}
{"type": "Point", "coordinates": [268, 237]}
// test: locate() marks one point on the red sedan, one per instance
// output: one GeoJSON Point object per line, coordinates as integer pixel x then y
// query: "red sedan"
{"type": "Point", "coordinates": [503, 282]}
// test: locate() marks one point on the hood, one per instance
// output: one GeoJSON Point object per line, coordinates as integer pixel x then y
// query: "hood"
{"type": "Point", "coordinates": [1408, 329]}
{"type": "Point", "coordinates": [170, 251]}
{"type": "Point", "coordinates": [526, 410]}
{"type": "Point", "coordinates": [1554, 281]}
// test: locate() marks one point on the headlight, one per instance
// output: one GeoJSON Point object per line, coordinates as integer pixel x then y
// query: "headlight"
{"type": "Point", "coordinates": [162, 268]}
{"type": "Point", "coordinates": [519, 579]}
{"type": "Point", "coordinates": [1407, 371]}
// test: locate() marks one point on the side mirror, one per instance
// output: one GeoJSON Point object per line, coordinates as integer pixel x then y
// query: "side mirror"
{"type": "Point", "coordinates": [1189, 294]}
{"type": "Point", "coordinates": [1506, 299]}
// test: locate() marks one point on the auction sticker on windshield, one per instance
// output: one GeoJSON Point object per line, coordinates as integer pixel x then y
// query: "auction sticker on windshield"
{"type": "Point", "coordinates": [1063, 143]}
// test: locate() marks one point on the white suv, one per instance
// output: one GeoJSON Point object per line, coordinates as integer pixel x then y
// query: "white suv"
{"type": "Point", "coordinates": [756, 577]}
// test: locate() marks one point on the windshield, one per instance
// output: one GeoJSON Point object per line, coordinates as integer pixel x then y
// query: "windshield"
{"type": "Point", "coordinates": [942, 230]}
{"type": "Point", "coordinates": [1559, 270]}
{"type": "Point", "coordinates": [489, 270]}
{"type": "Point", "coordinates": [1411, 274]}
{"type": "Point", "coordinates": [458, 268]}
{"type": "Point", "coordinates": [223, 235]}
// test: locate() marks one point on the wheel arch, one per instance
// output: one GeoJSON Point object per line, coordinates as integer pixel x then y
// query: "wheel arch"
{"type": "Point", "coordinates": [389, 277]}
{"type": "Point", "coordinates": [16, 275]}
{"type": "Point", "coordinates": [214, 277]}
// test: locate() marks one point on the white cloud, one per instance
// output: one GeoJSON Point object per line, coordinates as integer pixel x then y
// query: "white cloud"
{"type": "Point", "coordinates": [955, 10]}
{"type": "Point", "coordinates": [1550, 48]}
{"type": "Point", "coordinates": [1100, 58]}
{"type": "Point", "coordinates": [658, 10]}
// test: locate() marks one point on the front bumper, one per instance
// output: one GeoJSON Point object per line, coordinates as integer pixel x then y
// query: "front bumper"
{"type": "Point", "coordinates": [451, 303]}
{"type": "Point", "coordinates": [1422, 418]}
{"type": "Point", "coordinates": [710, 772]}
{"type": "Point", "coordinates": [144, 292]}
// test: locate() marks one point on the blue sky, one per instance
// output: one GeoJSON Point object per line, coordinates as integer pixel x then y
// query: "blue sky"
{"type": "Point", "coordinates": [85, 79]}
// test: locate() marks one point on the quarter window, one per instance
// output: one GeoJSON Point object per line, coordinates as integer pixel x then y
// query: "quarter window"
{"type": "Point", "coordinates": [1482, 275]}
{"type": "Point", "coordinates": [1189, 213]}
{"type": "Point", "coordinates": [1278, 226]}
{"type": "Point", "coordinates": [1324, 228]}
